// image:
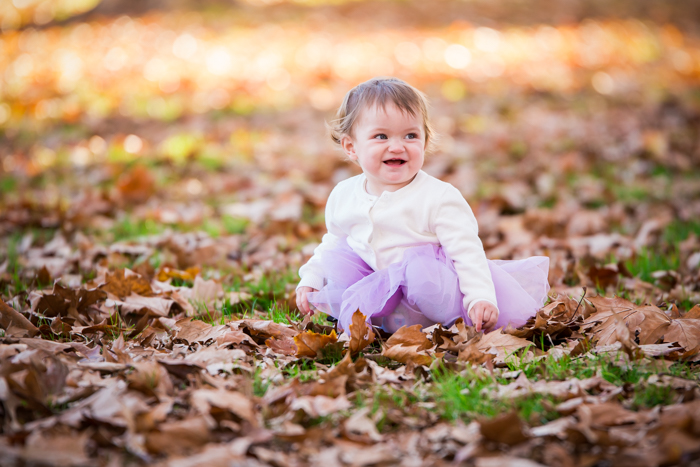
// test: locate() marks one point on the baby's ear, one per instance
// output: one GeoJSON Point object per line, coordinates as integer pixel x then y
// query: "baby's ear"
{"type": "Point", "coordinates": [348, 147]}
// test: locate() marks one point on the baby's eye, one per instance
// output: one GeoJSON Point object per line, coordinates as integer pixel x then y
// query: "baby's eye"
{"type": "Point", "coordinates": [411, 136]}
{"type": "Point", "coordinates": [380, 136]}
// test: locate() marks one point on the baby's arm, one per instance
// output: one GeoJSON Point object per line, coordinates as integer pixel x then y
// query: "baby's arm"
{"type": "Point", "coordinates": [457, 232]}
{"type": "Point", "coordinates": [312, 275]}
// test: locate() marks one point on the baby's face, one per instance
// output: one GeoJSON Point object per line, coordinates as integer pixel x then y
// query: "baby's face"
{"type": "Point", "coordinates": [389, 145]}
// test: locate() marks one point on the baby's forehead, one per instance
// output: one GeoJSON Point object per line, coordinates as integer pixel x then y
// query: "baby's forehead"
{"type": "Point", "coordinates": [382, 110]}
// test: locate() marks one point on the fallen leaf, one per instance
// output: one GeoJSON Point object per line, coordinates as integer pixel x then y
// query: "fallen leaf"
{"type": "Point", "coordinates": [503, 345]}
{"type": "Point", "coordinates": [311, 344]}
{"type": "Point", "coordinates": [243, 407]}
{"type": "Point", "coordinates": [319, 406]}
{"type": "Point", "coordinates": [410, 336]}
{"type": "Point", "coordinates": [408, 344]}
{"type": "Point", "coordinates": [361, 335]}
{"type": "Point", "coordinates": [192, 331]}
{"type": "Point", "coordinates": [360, 428]}
{"type": "Point", "coordinates": [282, 346]}
{"type": "Point", "coordinates": [206, 292]}
{"type": "Point", "coordinates": [178, 437]}
{"type": "Point", "coordinates": [693, 313]}
{"type": "Point", "coordinates": [14, 323]}
{"type": "Point", "coordinates": [124, 282]}
{"type": "Point", "coordinates": [136, 185]}
{"type": "Point", "coordinates": [188, 274]}
{"type": "Point", "coordinates": [644, 320]}
{"type": "Point", "coordinates": [507, 429]}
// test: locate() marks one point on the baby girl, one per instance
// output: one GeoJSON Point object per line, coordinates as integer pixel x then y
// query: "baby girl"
{"type": "Point", "coordinates": [402, 246]}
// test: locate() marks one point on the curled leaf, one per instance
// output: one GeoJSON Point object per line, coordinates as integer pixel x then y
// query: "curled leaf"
{"type": "Point", "coordinates": [361, 335]}
{"type": "Point", "coordinates": [409, 344]}
{"type": "Point", "coordinates": [310, 344]}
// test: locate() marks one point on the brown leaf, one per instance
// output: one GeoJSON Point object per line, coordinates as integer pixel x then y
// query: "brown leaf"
{"type": "Point", "coordinates": [151, 379]}
{"type": "Point", "coordinates": [507, 428]}
{"type": "Point", "coordinates": [693, 313]}
{"type": "Point", "coordinates": [206, 292]}
{"type": "Point", "coordinates": [310, 344]}
{"type": "Point", "coordinates": [409, 336]}
{"type": "Point", "coordinates": [409, 344]}
{"type": "Point", "coordinates": [361, 335]}
{"type": "Point", "coordinates": [192, 331]}
{"type": "Point", "coordinates": [644, 320]}
{"type": "Point", "coordinates": [685, 331]}
{"type": "Point", "coordinates": [470, 352]}
{"type": "Point", "coordinates": [159, 306]}
{"type": "Point", "coordinates": [319, 406]}
{"type": "Point", "coordinates": [234, 336]}
{"type": "Point", "coordinates": [61, 449]}
{"type": "Point", "coordinates": [407, 353]}
{"type": "Point", "coordinates": [43, 276]}
{"type": "Point", "coordinates": [14, 323]}
{"type": "Point", "coordinates": [235, 402]}
{"type": "Point", "coordinates": [264, 328]}
{"type": "Point", "coordinates": [136, 185]}
{"type": "Point", "coordinates": [188, 274]}
{"type": "Point", "coordinates": [360, 428]}
{"type": "Point", "coordinates": [443, 339]}
{"type": "Point", "coordinates": [282, 346]}
{"type": "Point", "coordinates": [502, 344]}
{"type": "Point", "coordinates": [124, 282]}
{"type": "Point", "coordinates": [179, 437]}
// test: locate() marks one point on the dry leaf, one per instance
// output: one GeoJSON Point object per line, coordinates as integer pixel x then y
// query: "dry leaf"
{"type": "Point", "coordinates": [361, 334]}
{"type": "Point", "coordinates": [14, 323]}
{"type": "Point", "coordinates": [409, 344]}
{"type": "Point", "coordinates": [311, 344]}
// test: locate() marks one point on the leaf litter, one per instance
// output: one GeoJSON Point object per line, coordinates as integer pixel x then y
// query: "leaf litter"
{"type": "Point", "coordinates": [149, 318]}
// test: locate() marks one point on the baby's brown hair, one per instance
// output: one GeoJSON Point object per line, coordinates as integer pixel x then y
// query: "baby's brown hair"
{"type": "Point", "coordinates": [379, 91]}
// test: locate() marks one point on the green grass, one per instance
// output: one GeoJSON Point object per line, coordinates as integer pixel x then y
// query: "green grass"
{"type": "Point", "coordinates": [8, 184]}
{"type": "Point", "coordinates": [646, 262]}
{"type": "Point", "coordinates": [260, 386]}
{"type": "Point", "coordinates": [129, 229]}
{"type": "Point", "coordinates": [234, 225]}
{"type": "Point", "coordinates": [678, 230]}
{"type": "Point", "coordinates": [651, 395]}
{"type": "Point", "coordinates": [304, 369]}
{"type": "Point", "coordinates": [470, 394]}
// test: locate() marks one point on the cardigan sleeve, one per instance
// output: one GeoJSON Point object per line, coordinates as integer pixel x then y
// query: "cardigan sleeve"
{"type": "Point", "coordinates": [311, 273]}
{"type": "Point", "coordinates": [457, 231]}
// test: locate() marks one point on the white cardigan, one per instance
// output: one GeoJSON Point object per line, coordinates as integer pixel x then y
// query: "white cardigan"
{"type": "Point", "coordinates": [380, 228]}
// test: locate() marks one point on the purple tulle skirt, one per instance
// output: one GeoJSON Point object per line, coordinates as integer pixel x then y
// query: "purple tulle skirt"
{"type": "Point", "coordinates": [423, 289]}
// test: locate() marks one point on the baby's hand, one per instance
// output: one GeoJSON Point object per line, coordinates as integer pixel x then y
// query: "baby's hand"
{"type": "Point", "coordinates": [303, 302]}
{"type": "Point", "coordinates": [483, 315]}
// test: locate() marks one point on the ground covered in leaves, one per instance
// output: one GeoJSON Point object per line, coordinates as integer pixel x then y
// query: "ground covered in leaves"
{"type": "Point", "coordinates": [160, 188]}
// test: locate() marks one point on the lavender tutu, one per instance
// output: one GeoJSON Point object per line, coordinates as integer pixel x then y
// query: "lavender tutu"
{"type": "Point", "coordinates": [423, 288]}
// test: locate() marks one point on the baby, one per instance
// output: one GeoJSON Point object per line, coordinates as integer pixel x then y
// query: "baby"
{"type": "Point", "coordinates": [402, 246]}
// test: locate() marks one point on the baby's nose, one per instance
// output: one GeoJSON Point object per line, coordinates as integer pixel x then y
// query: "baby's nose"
{"type": "Point", "coordinates": [396, 146]}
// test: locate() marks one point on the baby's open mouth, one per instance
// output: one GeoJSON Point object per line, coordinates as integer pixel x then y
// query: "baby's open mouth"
{"type": "Point", "coordinates": [395, 162]}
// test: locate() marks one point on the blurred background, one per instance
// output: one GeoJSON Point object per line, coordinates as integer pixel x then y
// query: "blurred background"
{"type": "Point", "coordinates": [195, 130]}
